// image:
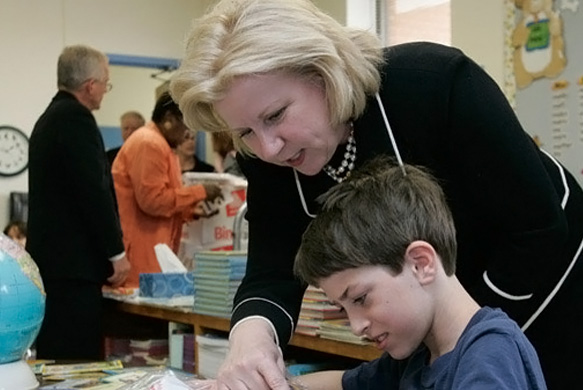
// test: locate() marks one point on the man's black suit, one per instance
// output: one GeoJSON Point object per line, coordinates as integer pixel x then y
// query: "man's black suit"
{"type": "Point", "coordinates": [73, 226]}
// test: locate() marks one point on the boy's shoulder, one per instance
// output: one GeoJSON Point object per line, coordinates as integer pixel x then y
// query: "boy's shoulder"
{"type": "Point", "coordinates": [491, 348]}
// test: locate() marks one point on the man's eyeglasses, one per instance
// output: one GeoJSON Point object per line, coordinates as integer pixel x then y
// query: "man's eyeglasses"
{"type": "Point", "coordinates": [108, 85]}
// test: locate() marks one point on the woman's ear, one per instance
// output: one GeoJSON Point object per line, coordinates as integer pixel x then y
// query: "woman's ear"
{"type": "Point", "coordinates": [423, 260]}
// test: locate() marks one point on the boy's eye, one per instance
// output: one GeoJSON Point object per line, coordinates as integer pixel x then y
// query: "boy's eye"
{"type": "Point", "coordinates": [360, 300]}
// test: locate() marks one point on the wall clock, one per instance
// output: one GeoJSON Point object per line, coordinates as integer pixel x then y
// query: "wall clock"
{"type": "Point", "coordinates": [13, 151]}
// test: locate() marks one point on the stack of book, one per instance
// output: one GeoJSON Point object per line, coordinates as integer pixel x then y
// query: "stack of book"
{"type": "Point", "coordinates": [149, 352]}
{"type": "Point", "coordinates": [315, 310]}
{"type": "Point", "coordinates": [116, 348]}
{"type": "Point", "coordinates": [217, 275]}
{"type": "Point", "coordinates": [340, 330]}
{"type": "Point", "coordinates": [188, 363]}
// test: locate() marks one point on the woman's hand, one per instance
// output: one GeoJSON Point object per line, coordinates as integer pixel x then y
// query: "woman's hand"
{"type": "Point", "coordinates": [213, 191]}
{"type": "Point", "coordinates": [254, 361]}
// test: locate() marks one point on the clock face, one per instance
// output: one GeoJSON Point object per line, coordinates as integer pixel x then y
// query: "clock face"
{"type": "Point", "coordinates": [13, 151]}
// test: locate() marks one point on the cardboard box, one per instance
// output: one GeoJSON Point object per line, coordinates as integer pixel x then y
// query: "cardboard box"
{"type": "Point", "coordinates": [166, 285]}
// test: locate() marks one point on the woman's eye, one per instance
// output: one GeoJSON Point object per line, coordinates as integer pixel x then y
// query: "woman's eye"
{"type": "Point", "coordinates": [244, 133]}
{"type": "Point", "coordinates": [276, 115]}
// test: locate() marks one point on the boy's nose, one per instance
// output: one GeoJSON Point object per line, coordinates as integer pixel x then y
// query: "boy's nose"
{"type": "Point", "coordinates": [359, 325]}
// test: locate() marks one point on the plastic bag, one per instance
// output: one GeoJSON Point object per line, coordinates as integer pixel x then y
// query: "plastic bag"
{"type": "Point", "coordinates": [294, 383]}
{"type": "Point", "coordinates": [167, 379]}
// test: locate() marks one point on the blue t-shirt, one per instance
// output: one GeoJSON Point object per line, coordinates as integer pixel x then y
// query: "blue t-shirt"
{"type": "Point", "coordinates": [492, 353]}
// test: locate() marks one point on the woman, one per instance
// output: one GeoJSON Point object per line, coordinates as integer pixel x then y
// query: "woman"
{"type": "Point", "coordinates": [225, 154]}
{"type": "Point", "coordinates": [152, 201]}
{"type": "Point", "coordinates": [309, 100]}
{"type": "Point", "coordinates": [16, 230]}
{"type": "Point", "coordinates": [185, 151]}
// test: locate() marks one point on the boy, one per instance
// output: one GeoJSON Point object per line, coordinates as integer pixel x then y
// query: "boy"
{"type": "Point", "coordinates": [383, 248]}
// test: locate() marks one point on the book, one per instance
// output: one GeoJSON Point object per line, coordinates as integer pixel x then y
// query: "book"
{"type": "Point", "coordinates": [340, 330]}
{"type": "Point", "coordinates": [54, 369]}
{"type": "Point", "coordinates": [321, 314]}
{"type": "Point", "coordinates": [306, 330]}
{"type": "Point", "coordinates": [315, 294]}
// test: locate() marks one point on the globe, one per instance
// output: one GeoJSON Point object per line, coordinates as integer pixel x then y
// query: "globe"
{"type": "Point", "coordinates": [22, 301]}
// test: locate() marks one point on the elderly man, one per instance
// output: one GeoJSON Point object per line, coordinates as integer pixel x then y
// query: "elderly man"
{"type": "Point", "coordinates": [74, 234]}
{"type": "Point", "coordinates": [130, 121]}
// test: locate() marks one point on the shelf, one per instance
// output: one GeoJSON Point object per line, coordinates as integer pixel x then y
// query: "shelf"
{"type": "Point", "coordinates": [204, 323]}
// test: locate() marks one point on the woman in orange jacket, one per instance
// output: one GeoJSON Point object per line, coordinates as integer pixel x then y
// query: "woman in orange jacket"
{"type": "Point", "coordinates": [153, 204]}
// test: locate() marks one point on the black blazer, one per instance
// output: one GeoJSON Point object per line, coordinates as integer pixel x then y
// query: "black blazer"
{"type": "Point", "coordinates": [517, 212]}
{"type": "Point", "coordinates": [73, 224]}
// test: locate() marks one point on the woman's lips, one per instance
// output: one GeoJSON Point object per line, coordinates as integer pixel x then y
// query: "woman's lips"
{"type": "Point", "coordinates": [297, 160]}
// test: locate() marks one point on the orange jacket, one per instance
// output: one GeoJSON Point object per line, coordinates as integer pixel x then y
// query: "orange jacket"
{"type": "Point", "coordinates": [153, 204]}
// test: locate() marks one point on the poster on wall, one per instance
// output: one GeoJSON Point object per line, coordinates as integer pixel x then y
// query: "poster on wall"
{"type": "Point", "coordinates": [547, 64]}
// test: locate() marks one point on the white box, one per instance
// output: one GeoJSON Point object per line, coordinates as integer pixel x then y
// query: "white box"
{"type": "Point", "coordinates": [215, 232]}
{"type": "Point", "coordinates": [212, 351]}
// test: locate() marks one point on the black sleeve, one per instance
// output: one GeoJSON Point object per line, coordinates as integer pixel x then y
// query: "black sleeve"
{"type": "Point", "coordinates": [500, 186]}
{"type": "Point", "coordinates": [503, 173]}
{"type": "Point", "coordinates": [276, 223]}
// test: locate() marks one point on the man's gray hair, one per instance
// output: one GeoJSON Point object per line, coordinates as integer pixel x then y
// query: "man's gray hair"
{"type": "Point", "coordinates": [80, 63]}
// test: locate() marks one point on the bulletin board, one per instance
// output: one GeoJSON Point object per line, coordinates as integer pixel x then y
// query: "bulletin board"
{"type": "Point", "coordinates": [550, 106]}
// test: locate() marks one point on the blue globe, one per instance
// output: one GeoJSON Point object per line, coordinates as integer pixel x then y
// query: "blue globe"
{"type": "Point", "coordinates": [22, 301]}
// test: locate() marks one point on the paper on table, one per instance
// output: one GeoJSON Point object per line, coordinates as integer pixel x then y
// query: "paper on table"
{"type": "Point", "coordinates": [168, 261]}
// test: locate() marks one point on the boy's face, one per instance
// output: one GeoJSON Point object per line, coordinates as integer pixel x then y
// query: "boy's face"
{"type": "Point", "coordinates": [393, 311]}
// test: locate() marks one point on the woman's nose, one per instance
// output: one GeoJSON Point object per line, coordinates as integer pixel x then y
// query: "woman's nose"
{"type": "Point", "coordinates": [270, 144]}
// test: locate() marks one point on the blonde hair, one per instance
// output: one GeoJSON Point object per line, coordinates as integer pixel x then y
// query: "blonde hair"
{"type": "Point", "coordinates": [242, 37]}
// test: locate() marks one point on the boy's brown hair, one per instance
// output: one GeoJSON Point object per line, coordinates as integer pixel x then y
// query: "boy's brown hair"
{"type": "Point", "coordinates": [372, 217]}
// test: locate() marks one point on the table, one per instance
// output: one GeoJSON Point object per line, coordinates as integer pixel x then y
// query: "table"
{"type": "Point", "coordinates": [203, 323]}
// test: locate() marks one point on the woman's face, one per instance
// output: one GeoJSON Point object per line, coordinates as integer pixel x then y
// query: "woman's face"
{"type": "Point", "coordinates": [283, 119]}
{"type": "Point", "coordinates": [173, 129]}
{"type": "Point", "coordinates": [188, 145]}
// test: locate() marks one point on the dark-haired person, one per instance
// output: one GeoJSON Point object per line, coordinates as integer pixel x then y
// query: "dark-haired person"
{"type": "Point", "coordinates": [383, 248]}
{"type": "Point", "coordinates": [186, 152]}
{"type": "Point", "coordinates": [153, 203]}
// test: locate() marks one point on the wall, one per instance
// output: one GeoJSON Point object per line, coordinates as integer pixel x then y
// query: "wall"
{"type": "Point", "coordinates": [133, 89]}
{"type": "Point", "coordinates": [33, 33]}
{"type": "Point", "coordinates": [478, 29]}
{"type": "Point", "coordinates": [38, 30]}
{"type": "Point", "coordinates": [551, 109]}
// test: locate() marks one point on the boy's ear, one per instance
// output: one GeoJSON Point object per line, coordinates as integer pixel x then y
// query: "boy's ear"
{"type": "Point", "coordinates": [423, 260]}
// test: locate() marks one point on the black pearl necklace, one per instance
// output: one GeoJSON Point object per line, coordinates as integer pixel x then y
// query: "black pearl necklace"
{"type": "Point", "coordinates": [347, 164]}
